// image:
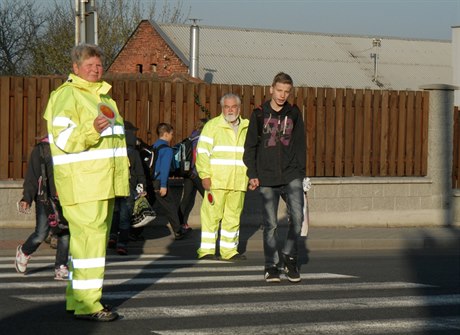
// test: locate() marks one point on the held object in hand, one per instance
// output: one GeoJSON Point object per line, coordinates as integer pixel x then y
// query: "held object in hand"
{"type": "Point", "coordinates": [23, 210]}
{"type": "Point", "coordinates": [210, 198]}
{"type": "Point", "coordinates": [106, 111]}
{"type": "Point", "coordinates": [306, 183]}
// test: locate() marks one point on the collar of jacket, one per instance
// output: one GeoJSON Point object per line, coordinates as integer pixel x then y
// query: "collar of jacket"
{"type": "Point", "coordinates": [266, 107]}
{"type": "Point", "coordinates": [100, 87]}
{"type": "Point", "coordinates": [224, 124]}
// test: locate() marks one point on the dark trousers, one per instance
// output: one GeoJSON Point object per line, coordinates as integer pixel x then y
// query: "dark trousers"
{"type": "Point", "coordinates": [169, 205]}
{"type": "Point", "coordinates": [121, 221]}
{"type": "Point", "coordinates": [191, 186]}
{"type": "Point", "coordinates": [42, 229]}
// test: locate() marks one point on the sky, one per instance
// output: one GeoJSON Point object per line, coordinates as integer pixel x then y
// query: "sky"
{"type": "Point", "coordinates": [413, 19]}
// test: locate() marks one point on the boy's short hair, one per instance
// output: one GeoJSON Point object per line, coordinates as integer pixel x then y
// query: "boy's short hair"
{"type": "Point", "coordinates": [164, 128]}
{"type": "Point", "coordinates": [283, 78]}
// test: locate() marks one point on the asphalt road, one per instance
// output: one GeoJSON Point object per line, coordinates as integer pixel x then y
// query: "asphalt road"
{"type": "Point", "coordinates": [342, 292]}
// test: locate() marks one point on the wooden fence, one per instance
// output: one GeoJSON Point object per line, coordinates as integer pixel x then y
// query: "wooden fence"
{"type": "Point", "coordinates": [349, 132]}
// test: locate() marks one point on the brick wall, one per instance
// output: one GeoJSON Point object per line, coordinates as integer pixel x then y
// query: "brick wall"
{"type": "Point", "coordinates": [146, 47]}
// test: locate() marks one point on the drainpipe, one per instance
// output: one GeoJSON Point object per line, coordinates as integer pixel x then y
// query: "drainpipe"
{"type": "Point", "coordinates": [194, 48]}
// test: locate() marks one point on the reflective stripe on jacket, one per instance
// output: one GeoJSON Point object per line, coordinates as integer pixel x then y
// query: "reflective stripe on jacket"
{"type": "Point", "coordinates": [88, 166]}
{"type": "Point", "coordinates": [220, 154]}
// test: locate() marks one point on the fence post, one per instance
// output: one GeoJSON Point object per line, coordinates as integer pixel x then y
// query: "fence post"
{"type": "Point", "coordinates": [440, 149]}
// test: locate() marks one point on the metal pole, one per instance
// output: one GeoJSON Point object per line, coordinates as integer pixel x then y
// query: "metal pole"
{"type": "Point", "coordinates": [194, 49]}
{"type": "Point", "coordinates": [82, 22]}
{"type": "Point", "coordinates": [77, 22]}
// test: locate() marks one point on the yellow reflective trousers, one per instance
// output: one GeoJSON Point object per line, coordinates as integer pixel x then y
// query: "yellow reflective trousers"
{"type": "Point", "coordinates": [226, 210]}
{"type": "Point", "coordinates": [89, 225]}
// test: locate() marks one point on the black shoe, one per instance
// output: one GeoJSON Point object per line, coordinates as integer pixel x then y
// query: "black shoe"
{"type": "Point", "coordinates": [179, 235]}
{"type": "Point", "coordinates": [186, 227]}
{"type": "Point", "coordinates": [236, 258]}
{"type": "Point", "coordinates": [272, 275]}
{"type": "Point", "coordinates": [112, 244]}
{"type": "Point", "coordinates": [122, 251]}
{"type": "Point", "coordinates": [291, 269]}
{"type": "Point", "coordinates": [101, 316]}
{"type": "Point", "coordinates": [209, 257]}
{"type": "Point", "coordinates": [107, 308]}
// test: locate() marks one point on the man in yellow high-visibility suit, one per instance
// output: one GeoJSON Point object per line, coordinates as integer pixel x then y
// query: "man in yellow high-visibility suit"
{"type": "Point", "coordinates": [88, 146]}
{"type": "Point", "coordinates": [220, 165]}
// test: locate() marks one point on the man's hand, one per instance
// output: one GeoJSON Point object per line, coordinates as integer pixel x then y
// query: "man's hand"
{"type": "Point", "coordinates": [23, 207]}
{"type": "Point", "coordinates": [206, 182]}
{"type": "Point", "coordinates": [101, 123]}
{"type": "Point", "coordinates": [253, 183]}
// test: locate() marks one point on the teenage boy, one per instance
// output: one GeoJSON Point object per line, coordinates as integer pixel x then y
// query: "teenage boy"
{"type": "Point", "coordinates": [164, 196]}
{"type": "Point", "coordinates": [275, 154]}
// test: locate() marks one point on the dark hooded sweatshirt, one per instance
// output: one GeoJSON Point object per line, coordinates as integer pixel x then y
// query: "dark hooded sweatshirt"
{"type": "Point", "coordinates": [275, 149]}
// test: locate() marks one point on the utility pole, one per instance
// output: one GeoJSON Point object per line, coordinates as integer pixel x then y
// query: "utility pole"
{"type": "Point", "coordinates": [85, 22]}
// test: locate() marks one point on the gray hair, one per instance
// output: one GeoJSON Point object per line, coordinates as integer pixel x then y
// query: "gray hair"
{"type": "Point", "coordinates": [230, 96]}
{"type": "Point", "coordinates": [84, 51]}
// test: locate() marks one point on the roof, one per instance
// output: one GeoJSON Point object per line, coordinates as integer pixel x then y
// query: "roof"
{"type": "Point", "coordinates": [254, 56]}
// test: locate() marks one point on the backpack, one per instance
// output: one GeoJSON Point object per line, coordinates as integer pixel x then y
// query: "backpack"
{"type": "Point", "coordinates": [149, 157]}
{"type": "Point", "coordinates": [182, 162]}
{"type": "Point", "coordinates": [53, 208]}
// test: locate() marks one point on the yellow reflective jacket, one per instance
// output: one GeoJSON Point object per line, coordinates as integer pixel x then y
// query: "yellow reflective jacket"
{"type": "Point", "coordinates": [220, 154]}
{"type": "Point", "coordinates": [88, 166]}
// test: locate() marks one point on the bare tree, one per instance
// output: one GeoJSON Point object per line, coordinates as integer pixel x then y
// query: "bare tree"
{"type": "Point", "coordinates": [20, 25]}
{"type": "Point", "coordinates": [51, 51]}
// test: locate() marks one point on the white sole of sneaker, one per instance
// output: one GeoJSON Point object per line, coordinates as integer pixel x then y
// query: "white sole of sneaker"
{"type": "Point", "coordinates": [273, 280]}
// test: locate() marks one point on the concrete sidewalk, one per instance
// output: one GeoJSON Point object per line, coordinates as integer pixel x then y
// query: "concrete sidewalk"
{"type": "Point", "coordinates": [158, 240]}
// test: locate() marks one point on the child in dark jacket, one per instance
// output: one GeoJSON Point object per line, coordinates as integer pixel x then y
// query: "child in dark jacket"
{"type": "Point", "coordinates": [39, 188]}
{"type": "Point", "coordinates": [192, 183]}
{"type": "Point", "coordinates": [163, 195]}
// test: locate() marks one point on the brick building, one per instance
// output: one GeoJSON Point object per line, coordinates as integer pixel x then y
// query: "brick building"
{"type": "Point", "coordinates": [147, 52]}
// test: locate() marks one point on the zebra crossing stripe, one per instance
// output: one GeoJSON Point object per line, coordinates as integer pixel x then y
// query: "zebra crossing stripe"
{"type": "Point", "coordinates": [152, 294]}
{"type": "Point", "coordinates": [9, 259]}
{"type": "Point", "coordinates": [147, 271]}
{"type": "Point", "coordinates": [169, 280]}
{"type": "Point", "coordinates": [123, 262]}
{"type": "Point", "coordinates": [152, 313]}
{"type": "Point", "coordinates": [365, 327]}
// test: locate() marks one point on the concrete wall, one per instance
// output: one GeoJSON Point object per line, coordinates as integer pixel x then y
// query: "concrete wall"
{"type": "Point", "coordinates": [355, 201]}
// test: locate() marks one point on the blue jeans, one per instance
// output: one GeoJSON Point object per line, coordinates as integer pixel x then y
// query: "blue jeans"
{"type": "Point", "coordinates": [42, 229]}
{"type": "Point", "coordinates": [292, 194]}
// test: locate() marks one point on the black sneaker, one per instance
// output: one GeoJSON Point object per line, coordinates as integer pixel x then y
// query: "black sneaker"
{"type": "Point", "coordinates": [101, 316]}
{"type": "Point", "coordinates": [272, 275]}
{"type": "Point", "coordinates": [236, 258]}
{"type": "Point", "coordinates": [290, 269]}
{"type": "Point", "coordinates": [209, 257]}
{"type": "Point", "coordinates": [179, 235]}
